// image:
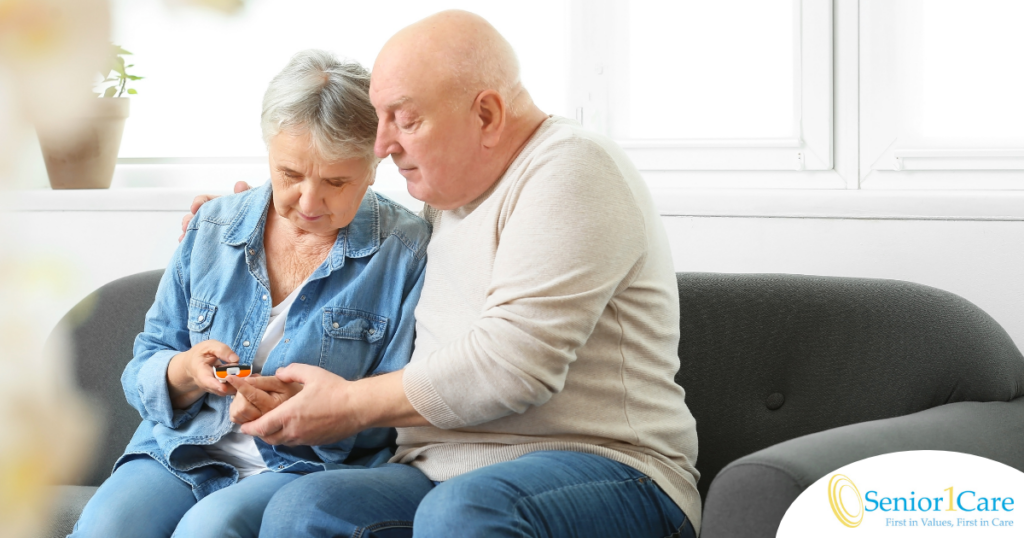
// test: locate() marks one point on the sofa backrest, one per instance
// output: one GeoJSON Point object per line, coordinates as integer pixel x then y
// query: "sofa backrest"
{"type": "Point", "coordinates": [765, 358]}
{"type": "Point", "coordinates": [102, 329]}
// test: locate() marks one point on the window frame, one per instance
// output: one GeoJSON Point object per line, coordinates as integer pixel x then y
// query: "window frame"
{"type": "Point", "coordinates": [891, 161]}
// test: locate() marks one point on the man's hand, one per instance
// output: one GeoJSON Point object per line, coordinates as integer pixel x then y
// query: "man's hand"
{"type": "Point", "coordinates": [315, 416]}
{"type": "Point", "coordinates": [331, 408]}
{"type": "Point", "coordinates": [258, 395]}
{"type": "Point", "coordinates": [190, 373]}
{"type": "Point", "coordinates": [198, 201]}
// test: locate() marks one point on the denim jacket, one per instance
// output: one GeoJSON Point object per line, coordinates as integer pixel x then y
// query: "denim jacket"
{"type": "Point", "coordinates": [353, 317]}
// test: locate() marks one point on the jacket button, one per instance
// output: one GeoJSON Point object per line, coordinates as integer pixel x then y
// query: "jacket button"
{"type": "Point", "coordinates": [251, 252]}
{"type": "Point", "coordinates": [775, 401]}
{"type": "Point", "coordinates": [303, 298]}
{"type": "Point", "coordinates": [200, 318]}
{"type": "Point", "coordinates": [245, 344]}
{"type": "Point", "coordinates": [264, 297]}
{"type": "Point", "coordinates": [335, 325]}
{"type": "Point", "coordinates": [372, 330]}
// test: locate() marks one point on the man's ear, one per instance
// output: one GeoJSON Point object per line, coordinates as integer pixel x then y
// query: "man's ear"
{"type": "Point", "coordinates": [491, 110]}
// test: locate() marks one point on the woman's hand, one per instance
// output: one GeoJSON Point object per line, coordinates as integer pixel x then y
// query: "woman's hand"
{"type": "Point", "coordinates": [258, 395]}
{"type": "Point", "coordinates": [190, 374]}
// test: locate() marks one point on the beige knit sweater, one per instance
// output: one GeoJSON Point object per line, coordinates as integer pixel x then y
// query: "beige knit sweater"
{"type": "Point", "coordinates": [549, 320]}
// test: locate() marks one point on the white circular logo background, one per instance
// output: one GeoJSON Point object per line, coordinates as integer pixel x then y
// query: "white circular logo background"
{"type": "Point", "coordinates": [910, 494]}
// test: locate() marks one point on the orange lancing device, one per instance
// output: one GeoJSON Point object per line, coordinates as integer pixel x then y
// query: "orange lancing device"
{"type": "Point", "coordinates": [223, 371]}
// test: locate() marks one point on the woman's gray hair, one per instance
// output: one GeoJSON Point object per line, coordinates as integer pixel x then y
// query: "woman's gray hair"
{"type": "Point", "coordinates": [326, 97]}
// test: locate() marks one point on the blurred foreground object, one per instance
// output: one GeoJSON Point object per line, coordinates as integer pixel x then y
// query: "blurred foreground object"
{"type": "Point", "coordinates": [224, 6]}
{"type": "Point", "coordinates": [50, 51]}
{"type": "Point", "coordinates": [81, 153]}
{"type": "Point", "coordinates": [47, 429]}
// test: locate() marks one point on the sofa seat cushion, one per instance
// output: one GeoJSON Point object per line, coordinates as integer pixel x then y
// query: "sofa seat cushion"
{"type": "Point", "coordinates": [68, 502]}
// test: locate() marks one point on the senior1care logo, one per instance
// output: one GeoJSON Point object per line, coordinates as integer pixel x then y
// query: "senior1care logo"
{"type": "Point", "coordinates": [920, 493]}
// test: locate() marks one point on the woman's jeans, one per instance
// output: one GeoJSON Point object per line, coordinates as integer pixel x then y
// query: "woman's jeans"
{"type": "Point", "coordinates": [142, 499]}
{"type": "Point", "coordinates": [542, 494]}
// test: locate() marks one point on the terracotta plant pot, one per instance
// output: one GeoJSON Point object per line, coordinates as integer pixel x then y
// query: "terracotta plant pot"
{"type": "Point", "coordinates": [82, 154]}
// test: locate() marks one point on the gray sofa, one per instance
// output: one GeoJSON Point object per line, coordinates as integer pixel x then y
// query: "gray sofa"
{"type": "Point", "coordinates": [789, 377]}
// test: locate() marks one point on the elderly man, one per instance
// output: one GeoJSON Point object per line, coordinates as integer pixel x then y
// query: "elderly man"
{"type": "Point", "coordinates": [539, 400]}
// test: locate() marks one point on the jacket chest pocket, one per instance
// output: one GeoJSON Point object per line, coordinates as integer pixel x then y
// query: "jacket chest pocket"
{"type": "Point", "coordinates": [352, 341]}
{"type": "Point", "coordinates": [200, 319]}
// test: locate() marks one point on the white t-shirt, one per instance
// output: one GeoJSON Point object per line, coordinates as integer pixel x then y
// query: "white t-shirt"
{"type": "Point", "coordinates": [235, 447]}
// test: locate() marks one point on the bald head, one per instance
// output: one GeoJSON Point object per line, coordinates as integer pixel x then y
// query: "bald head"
{"type": "Point", "coordinates": [451, 111]}
{"type": "Point", "coordinates": [461, 55]}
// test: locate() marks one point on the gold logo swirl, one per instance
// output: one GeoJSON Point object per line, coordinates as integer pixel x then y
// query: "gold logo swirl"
{"type": "Point", "coordinates": [836, 485]}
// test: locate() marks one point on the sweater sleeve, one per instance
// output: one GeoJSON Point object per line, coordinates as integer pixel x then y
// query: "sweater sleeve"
{"type": "Point", "coordinates": [571, 237]}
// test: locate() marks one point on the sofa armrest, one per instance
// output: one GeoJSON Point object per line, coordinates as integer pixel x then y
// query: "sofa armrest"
{"type": "Point", "coordinates": [750, 496]}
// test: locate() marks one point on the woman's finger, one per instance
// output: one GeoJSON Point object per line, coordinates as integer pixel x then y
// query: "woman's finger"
{"type": "Point", "coordinates": [242, 411]}
{"type": "Point", "coordinates": [278, 389]}
{"type": "Point", "coordinates": [267, 383]}
{"type": "Point", "coordinates": [206, 380]}
{"type": "Point", "coordinates": [258, 398]}
{"type": "Point", "coordinates": [213, 385]}
{"type": "Point", "coordinates": [214, 351]}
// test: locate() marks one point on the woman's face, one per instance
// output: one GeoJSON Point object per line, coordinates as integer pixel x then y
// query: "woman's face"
{"type": "Point", "coordinates": [315, 195]}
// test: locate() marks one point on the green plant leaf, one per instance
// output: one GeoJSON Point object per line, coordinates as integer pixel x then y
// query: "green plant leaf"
{"type": "Point", "coordinates": [133, 77]}
{"type": "Point", "coordinates": [132, 91]}
{"type": "Point", "coordinates": [118, 50]}
{"type": "Point", "coordinates": [110, 91]}
{"type": "Point", "coordinates": [119, 65]}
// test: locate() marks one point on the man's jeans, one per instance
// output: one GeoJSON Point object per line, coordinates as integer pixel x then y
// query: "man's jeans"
{"type": "Point", "coordinates": [542, 494]}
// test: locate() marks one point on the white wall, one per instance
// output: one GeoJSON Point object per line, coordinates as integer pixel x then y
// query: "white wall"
{"type": "Point", "coordinates": [94, 237]}
{"type": "Point", "coordinates": [981, 261]}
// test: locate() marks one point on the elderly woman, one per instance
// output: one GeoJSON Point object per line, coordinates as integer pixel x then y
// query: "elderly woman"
{"type": "Point", "coordinates": [310, 268]}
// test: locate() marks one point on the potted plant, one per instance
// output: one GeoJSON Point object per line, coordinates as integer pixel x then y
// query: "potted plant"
{"type": "Point", "coordinates": [82, 153]}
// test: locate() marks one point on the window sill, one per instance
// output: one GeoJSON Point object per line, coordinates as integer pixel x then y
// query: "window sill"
{"type": "Point", "coordinates": [736, 203]}
{"type": "Point", "coordinates": [176, 200]}
{"type": "Point", "coordinates": [842, 204]}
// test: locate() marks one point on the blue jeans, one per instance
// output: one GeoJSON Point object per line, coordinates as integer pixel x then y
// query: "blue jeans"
{"type": "Point", "coordinates": [142, 500]}
{"type": "Point", "coordinates": [542, 494]}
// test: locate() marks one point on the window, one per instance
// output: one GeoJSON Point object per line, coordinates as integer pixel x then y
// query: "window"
{"type": "Point", "coordinates": [820, 94]}
{"type": "Point", "coordinates": [195, 122]}
{"type": "Point", "coordinates": [701, 85]}
{"type": "Point", "coordinates": [940, 94]}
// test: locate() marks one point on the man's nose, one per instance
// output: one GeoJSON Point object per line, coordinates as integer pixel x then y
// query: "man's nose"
{"type": "Point", "coordinates": [385, 144]}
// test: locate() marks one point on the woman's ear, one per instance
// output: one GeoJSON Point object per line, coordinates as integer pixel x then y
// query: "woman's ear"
{"type": "Point", "coordinates": [373, 172]}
